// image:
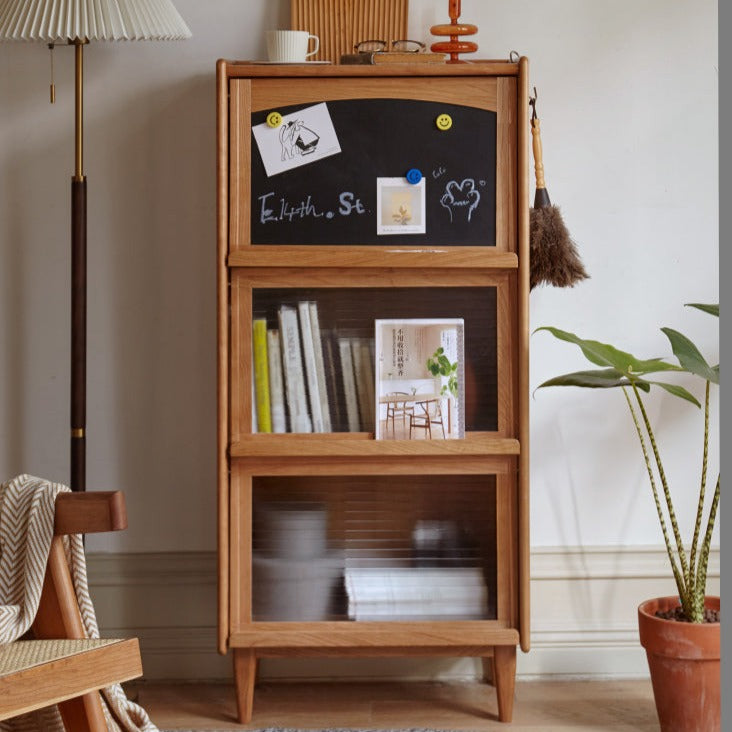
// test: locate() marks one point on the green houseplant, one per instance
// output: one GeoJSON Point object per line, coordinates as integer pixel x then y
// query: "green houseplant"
{"type": "Point", "coordinates": [438, 364]}
{"type": "Point", "coordinates": [695, 710]}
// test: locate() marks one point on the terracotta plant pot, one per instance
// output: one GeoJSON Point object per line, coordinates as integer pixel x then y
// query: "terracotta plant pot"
{"type": "Point", "coordinates": [683, 659]}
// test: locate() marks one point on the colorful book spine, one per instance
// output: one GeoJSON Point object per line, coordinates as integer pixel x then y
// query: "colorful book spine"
{"type": "Point", "coordinates": [276, 385]}
{"type": "Point", "coordinates": [261, 376]}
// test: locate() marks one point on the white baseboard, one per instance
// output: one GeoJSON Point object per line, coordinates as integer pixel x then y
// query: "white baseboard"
{"type": "Point", "coordinates": [583, 610]}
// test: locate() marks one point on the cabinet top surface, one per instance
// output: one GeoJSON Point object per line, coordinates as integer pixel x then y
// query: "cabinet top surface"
{"type": "Point", "coordinates": [250, 69]}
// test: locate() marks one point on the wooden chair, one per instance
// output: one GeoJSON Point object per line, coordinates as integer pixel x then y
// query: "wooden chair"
{"type": "Point", "coordinates": [60, 665]}
{"type": "Point", "coordinates": [398, 406]}
{"type": "Point", "coordinates": [427, 413]}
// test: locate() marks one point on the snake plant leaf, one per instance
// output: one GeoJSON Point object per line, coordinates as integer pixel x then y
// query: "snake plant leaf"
{"type": "Point", "coordinates": [603, 354]}
{"type": "Point", "coordinates": [678, 391]}
{"type": "Point", "coordinates": [711, 309]}
{"type": "Point", "coordinates": [595, 379]}
{"type": "Point", "coordinates": [689, 356]}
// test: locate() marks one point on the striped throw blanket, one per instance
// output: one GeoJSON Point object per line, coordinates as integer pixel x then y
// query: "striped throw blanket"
{"type": "Point", "coordinates": [26, 530]}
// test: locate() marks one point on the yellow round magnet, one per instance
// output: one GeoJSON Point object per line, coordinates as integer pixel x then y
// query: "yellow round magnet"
{"type": "Point", "coordinates": [274, 119]}
{"type": "Point", "coordinates": [443, 122]}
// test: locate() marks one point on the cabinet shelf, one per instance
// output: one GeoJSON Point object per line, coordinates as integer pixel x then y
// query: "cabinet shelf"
{"type": "Point", "coordinates": [392, 257]}
{"type": "Point", "coordinates": [323, 637]}
{"type": "Point", "coordinates": [362, 444]}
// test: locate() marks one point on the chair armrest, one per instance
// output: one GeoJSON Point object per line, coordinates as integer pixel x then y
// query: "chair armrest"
{"type": "Point", "coordinates": [88, 513]}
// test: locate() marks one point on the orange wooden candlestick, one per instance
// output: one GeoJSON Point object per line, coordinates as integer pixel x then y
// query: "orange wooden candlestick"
{"type": "Point", "coordinates": [454, 30]}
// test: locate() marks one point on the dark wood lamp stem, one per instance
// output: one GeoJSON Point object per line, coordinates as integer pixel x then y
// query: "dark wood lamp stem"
{"type": "Point", "coordinates": [78, 285]}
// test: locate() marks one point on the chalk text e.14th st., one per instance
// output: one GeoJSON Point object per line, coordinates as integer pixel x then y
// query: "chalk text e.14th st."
{"type": "Point", "coordinates": [275, 210]}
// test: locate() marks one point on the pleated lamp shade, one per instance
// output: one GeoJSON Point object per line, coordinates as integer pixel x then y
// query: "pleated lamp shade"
{"type": "Point", "coordinates": [92, 20]}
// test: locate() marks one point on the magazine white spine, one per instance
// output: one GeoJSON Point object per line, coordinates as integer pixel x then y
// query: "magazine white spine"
{"type": "Point", "coordinates": [320, 367]}
{"type": "Point", "coordinates": [293, 370]}
{"type": "Point", "coordinates": [276, 386]}
{"type": "Point", "coordinates": [349, 384]}
{"type": "Point", "coordinates": [308, 351]}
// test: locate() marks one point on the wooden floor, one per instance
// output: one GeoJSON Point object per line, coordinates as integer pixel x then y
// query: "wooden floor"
{"type": "Point", "coordinates": [549, 706]}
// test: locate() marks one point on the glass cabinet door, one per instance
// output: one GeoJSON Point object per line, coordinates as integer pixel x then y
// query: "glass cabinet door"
{"type": "Point", "coordinates": [374, 548]}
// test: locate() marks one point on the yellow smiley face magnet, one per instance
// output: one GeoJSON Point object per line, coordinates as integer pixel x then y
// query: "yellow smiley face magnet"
{"type": "Point", "coordinates": [274, 119]}
{"type": "Point", "coordinates": [443, 122]}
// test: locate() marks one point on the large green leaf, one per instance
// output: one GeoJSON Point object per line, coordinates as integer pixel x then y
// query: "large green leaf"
{"type": "Point", "coordinates": [678, 391]}
{"type": "Point", "coordinates": [595, 379]}
{"type": "Point", "coordinates": [712, 309]}
{"type": "Point", "coordinates": [690, 357]}
{"type": "Point", "coordinates": [603, 354]}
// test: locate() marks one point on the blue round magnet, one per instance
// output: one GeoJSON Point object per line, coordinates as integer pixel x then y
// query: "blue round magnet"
{"type": "Point", "coordinates": [414, 175]}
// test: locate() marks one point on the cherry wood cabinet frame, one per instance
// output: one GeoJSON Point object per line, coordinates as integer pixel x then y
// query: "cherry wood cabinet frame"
{"type": "Point", "coordinates": [243, 266]}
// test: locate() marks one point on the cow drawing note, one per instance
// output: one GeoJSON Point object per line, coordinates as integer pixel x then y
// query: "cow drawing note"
{"type": "Point", "coordinates": [460, 199]}
{"type": "Point", "coordinates": [303, 137]}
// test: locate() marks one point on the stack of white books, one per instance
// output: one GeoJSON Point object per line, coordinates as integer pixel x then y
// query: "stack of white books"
{"type": "Point", "coordinates": [400, 593]}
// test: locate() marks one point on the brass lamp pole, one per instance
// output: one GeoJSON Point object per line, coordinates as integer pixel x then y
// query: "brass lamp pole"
{"type": "Point", "coordinates": [77, 22]}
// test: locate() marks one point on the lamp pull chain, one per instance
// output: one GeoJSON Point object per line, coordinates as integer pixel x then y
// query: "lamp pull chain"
{"type": "Point", "coordinates": [52, 88]}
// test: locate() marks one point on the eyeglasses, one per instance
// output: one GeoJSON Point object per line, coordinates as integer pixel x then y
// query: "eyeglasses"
{"type": "Point", "coordinates": [401, 46]}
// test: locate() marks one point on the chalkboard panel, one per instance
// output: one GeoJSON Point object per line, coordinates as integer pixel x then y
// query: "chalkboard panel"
{"type": "Point", "coordinates": [334, 200]}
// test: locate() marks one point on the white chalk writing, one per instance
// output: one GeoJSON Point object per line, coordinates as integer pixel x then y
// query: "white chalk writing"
{"type": "Point", "coordinates": [274, 210]}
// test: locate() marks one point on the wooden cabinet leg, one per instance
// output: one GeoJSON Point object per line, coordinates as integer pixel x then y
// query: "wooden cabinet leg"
{"type": "Point", "coordinates": [245, 673]}
{"type": "Point", "coordinates": [489, 670]}
{"type": "Point", "coordinates": [504, 667]}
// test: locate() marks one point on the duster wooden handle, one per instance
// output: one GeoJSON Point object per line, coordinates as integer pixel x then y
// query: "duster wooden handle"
{"type": "Point", "coordinates": [538, 155]}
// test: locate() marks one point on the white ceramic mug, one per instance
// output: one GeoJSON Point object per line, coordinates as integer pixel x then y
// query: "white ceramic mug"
{"type": "Point", "coordinates": [290, 46]}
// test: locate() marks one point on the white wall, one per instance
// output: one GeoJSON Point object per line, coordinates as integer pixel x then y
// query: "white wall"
{"type": "Point", "coordinates": [628, 102]}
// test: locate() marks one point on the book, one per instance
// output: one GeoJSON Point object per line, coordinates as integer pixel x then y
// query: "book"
{"type": "Point", "coordinates": [392, 57]}
{"type": "Point", "coordinates": [276, 385]}
{"type": "Point", "coordinates": [364, 373]}
{"type": "Point", "coordinates": [334, 381]}
{"type": "Point", "coordinates": [349, 384]}
{"type": "Point", "coordinates": [416, 592]}
{"type": "Point", "coordinates": [255, 426]}
{"type": "Point", "coordinates": [308, 352]}
{"type": "Point", "coordinates": [261, 375]}
{"type": "Point", "coordinates": [420, 378]}
{"type": "Point", "coordinates": [292, 368]}
{"type": "Point", "coordinates": [320, 367]}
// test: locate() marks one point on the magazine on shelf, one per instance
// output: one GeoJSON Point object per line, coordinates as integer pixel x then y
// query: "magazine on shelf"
{"type": "Point", "coordinates": [276, 385]}
{"type": "Point", "coordinates": [320, 366]}
{"type": "Point", "coordinates": [334, 381]}
{"type": "Point", "coordinates": [420, 379]}
{"type": "Point", "coordinates": [292, 367]}
{"type": "Point", "coordinates": [311, 367]}
{"type": "Point", "coordinates": [363, 369]}
{"type": "Point", "coordinates": [349, 384]}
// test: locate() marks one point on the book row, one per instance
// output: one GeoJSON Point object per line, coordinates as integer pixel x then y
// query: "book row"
{"type": "Point", "coordinates": [310, 380]}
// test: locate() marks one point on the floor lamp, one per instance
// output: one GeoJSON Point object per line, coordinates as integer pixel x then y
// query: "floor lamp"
{"type": "Point", "coordinates": [76, 23]}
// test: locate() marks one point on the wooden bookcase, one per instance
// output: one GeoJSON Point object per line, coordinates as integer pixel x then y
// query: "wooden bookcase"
{"type": "Point", "coordinates": [375, 490]}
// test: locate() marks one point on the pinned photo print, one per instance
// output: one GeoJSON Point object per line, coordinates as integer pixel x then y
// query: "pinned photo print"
{"type": "Point", "coordinates": [400, 206]}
